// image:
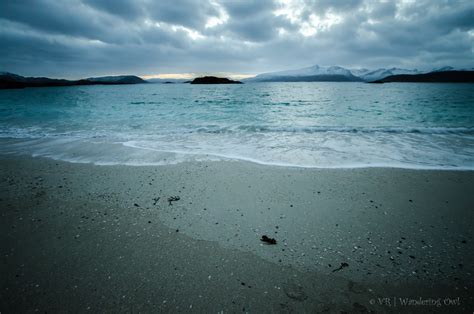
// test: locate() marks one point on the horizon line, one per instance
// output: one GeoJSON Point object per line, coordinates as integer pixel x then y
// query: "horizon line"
{"type": "Point", "coordinates": [232, 75]}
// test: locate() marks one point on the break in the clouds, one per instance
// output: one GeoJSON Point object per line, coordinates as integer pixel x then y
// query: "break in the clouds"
{"type": "Point", "coordinates": [96, 37]}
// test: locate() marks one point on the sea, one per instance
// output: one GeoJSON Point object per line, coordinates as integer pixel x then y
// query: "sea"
{"type": "Point", "coordinates": [314, 124]}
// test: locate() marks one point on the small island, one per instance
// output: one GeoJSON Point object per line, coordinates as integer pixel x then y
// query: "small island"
{"type": "Point", "coordinates": [213, 80]}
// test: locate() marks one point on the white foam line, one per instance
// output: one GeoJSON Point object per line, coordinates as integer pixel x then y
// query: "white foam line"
{"type": "Point", "coordinates": [280, 164]}
{"type": "Point", "coordinates": [132, 144]}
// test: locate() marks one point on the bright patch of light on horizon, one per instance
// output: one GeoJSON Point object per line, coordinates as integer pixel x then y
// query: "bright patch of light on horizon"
{"type": "Point", "coordinates": [188, 76]}
{"type": "Point", "coordinates": [170, 76]}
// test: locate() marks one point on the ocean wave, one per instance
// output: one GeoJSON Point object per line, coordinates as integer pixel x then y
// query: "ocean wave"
{"type": "Point", "coordinates": [348, 129]}
{"type": "Point", "coordinates": [421, 154]}
{"type": "Point", "coordinates": [38, 132]}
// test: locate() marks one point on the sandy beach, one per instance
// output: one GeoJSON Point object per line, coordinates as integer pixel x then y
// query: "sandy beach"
{"type": "Point", "coordinates": [186, 238]}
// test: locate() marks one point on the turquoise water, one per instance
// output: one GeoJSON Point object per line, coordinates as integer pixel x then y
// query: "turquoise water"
{"type": "Point", "coordinates": [298, 124]}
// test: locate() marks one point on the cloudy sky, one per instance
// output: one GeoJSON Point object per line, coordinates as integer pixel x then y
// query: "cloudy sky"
{"type": "Point", "coordinates": [80, 38]}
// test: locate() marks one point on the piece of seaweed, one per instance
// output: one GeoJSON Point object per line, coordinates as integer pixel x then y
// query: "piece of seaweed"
{"type": "Point", "coordinates": [268, 240]}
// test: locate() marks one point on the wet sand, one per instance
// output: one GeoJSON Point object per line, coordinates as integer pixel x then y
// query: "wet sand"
{"type": "Point", "coordinates": [79, 237]}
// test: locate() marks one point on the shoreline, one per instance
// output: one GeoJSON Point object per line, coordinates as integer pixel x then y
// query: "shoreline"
{"type": "Point", "coordinates": [201, 157]}
{"type": "Point", "coordinates": [395, 228]}
{"type": "Point", "coordinates": [132, 152]}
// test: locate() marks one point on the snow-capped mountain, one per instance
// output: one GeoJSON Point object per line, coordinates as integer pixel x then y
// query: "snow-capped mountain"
{"type": "Point", "coordinates": [443, 69]}
{"type": "Point", "coordinates": [314, 73]}
{"type": "Point", "coordinates": [331, 73]}
{"type": "Point", "coordinates": [449, 68]}
{"type": "Point", "coordinates": [360, 72]}
{"type": "Point", "coordinates": [129, 79]}
{"type": "Point", "coordinates": [381, 73]}
{"type": "Point", "coordinates": [314, 70]}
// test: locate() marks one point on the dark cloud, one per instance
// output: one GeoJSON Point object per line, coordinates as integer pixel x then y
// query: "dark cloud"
{"type": "Point", "coordinates": [383, 10]}
{"type": "Point", "coordinates": [244, 9]}
{"type": "Point", "coordinates": [123, 8]}
{"type": "Point", "coordinates": [188, 13]}
{"type": "Point", "coordinates": [253, 20]}
{"type": "Point", "coordinates": [321, 7]}
{"type": "Point", "coordinates": [95, 37]}
{"type": "Point", "coordinates": [68, 18]}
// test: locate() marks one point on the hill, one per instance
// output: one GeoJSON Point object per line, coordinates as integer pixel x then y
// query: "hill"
{"type": "Point", "coordinates": [213, 80]}
{"type": "Point", "coordinates": [314, 73]}
{"type": "Point", "coordinates": [432, 77]}
{"type": "Point", "coordinates": [10, 80]}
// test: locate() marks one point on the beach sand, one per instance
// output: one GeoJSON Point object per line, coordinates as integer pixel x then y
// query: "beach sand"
{"type": "Point", "coordinates": [80, 237]}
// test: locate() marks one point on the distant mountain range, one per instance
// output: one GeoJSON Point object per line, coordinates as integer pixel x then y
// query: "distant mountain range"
{"type": "Point", "coordinates": [10, 80]}
{"type": "Point", "coordinates": [314, 73]}
{"type": "Point", "coordinates": [432, 77]}
{"type": "Point", "coordinates": [318, 73]}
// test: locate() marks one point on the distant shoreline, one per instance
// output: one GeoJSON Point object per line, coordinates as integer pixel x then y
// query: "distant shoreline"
{"type": "Point", "coordinates": [433, 77]}
{"type": "Point", "coordinates": [330, 74]}
{"type": "Point", "coordinates": [13, 81]}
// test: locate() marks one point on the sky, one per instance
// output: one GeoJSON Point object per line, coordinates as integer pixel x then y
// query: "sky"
{"type": "Point", "coordinates": [236, 38]}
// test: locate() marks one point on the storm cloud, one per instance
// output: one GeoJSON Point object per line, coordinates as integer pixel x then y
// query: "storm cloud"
{"type": "Point", "coordinates": [78, 38]}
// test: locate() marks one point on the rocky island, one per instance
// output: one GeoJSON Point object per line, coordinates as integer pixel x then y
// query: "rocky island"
{"type": "Point", "coordinates": [213, 80]}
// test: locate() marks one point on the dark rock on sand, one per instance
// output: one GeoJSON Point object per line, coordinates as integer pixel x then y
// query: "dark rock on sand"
{"type": "Point", "coordinates": [268, 240]}
{"type": "Point", "coordinates": [343, 265]}
{"type": "Point", "coordinates": [173, 199]}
